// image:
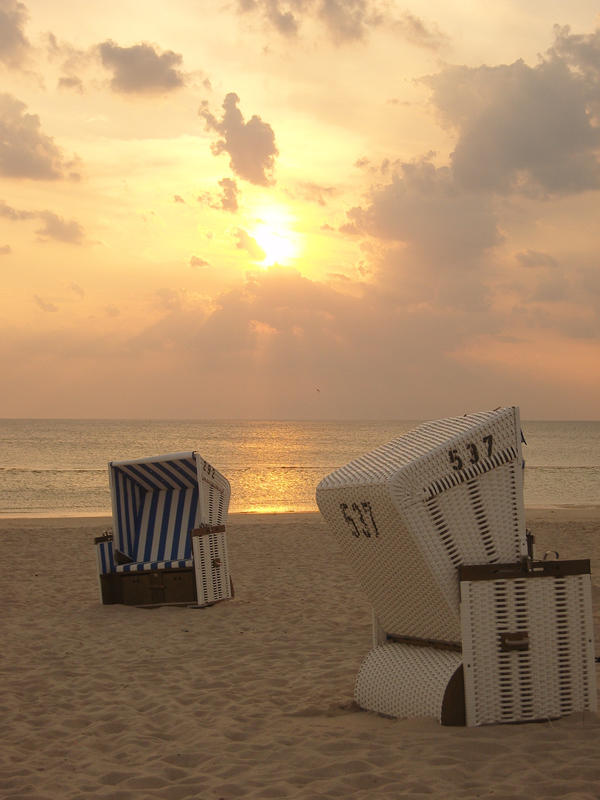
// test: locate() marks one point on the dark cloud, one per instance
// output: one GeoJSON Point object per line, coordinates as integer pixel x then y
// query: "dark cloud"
{"type": "Point", "coordinates": [76, 289]}
{"type": "Point", "coordinates": [422, 207]}
{"type": "Point", "coordinates": [229, 195]}
{"type": "Point", "coordinates": [249, 244]}
{"type": "Point", "coordinates": [419, 33]}
{"type": "Point", "coordinates": [348, 20]}
{"type": "Point", "coordinates": [141, 68]}
{"type": "Point", "coordinates": [227, 200]}
{"type": "Point", "coordinates": [14, 46]}
{"type": "Point", "coordinates": [432, 238]}
{"type": "Point", "coordinates": [8, 212]}
{"type": "Point", "coordinates": [55, 227]}
{"type": "Point", "coordinates": [198, 262]}
{"type": "Point", "coordinates": [582, 52]}
{"type": "Point", "coordinates": [314, 192]}
{"type": "Point", "coordinates": [177, 198]}
{"type": "Point", "coordinates": [71, 82]}
{"type": "Point", "coordinates": [45, 305]}
{"type": "Point", "coordinates": [250, 145]}
{"type": "Point", "coordinates": [73, 62]}
{"type": "Point", "coordinates": [522, 128]}
{"type": "Point", "coordinates": [5, 250]}
{"type": "Point", "coordinates": [533, 258]}
{"type": "Point", "coordinates": [61, 230]}
{"type": "Point", "coordinates": [344, 20]}
{"type": "Point", "coordinates": [25, 150]}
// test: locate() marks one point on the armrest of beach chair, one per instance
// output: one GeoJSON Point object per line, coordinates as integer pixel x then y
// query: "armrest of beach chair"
{"type": "Point", "coordinates": [211, 566]}
{"type": "Point", "coordinates": [104, 553]}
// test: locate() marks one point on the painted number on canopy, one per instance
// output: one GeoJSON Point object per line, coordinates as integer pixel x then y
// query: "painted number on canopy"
{"type": "Point", "coordinates": [472, 455]}
{"type": "Point", "coordinates": [360, 519]}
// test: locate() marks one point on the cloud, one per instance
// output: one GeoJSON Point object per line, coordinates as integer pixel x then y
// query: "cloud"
{"type": "Point", "coordinates": [25, 151]}
{"type": "Point", "coordinates": [348, 20]}
{"type": "Point", "coordinates": [423, 208]}
{"type": "Point", "coordinates": [198, 262]}
{"type": "Point", "coordinates": [344, 20]}
{"type": "Point", "coordinates": [419, 33]}
{"type": "Point", "coordinates": [250, 145]}
{"type": "Point", "coordinates": [250, 245]}
{"type": "Point", "coordinates": [275, 12]}
{"type": "Point", "coordinates": [5, 250]}
{"type": "Point", "coordinates": [177, 198]}
{"type": "Point", "coordinates": [8, 212]}
{"type": "Point", "coordinates": [71, 82]}
{"type": "Point", "coordinates": [55, 227]}
{"type": "Point", "coordinates": [227, 200]}
{"type": "Point", "coordinates": [141, 68]}
{"type": "Point", "coordinates": [46, 306]}
{"type": "Point", "coordinates": [533, 258]}
{"type": "Point", "coordinates": [76, 289]}
{"type": "Point", "coordinates": [229, 195]}
{"type": "Point", "coordinates": [315, 193]}
{"type": "Point", "coordinates": [580, 51]}
{"type": "Point", "coordinates": [525, 129]}
{"type": "Point", "coordinates": [14, 46]}
{"type": "Point", "coordinates": [61, 230]}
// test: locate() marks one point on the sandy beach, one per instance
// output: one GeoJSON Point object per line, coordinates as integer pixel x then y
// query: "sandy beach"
{"type": "Point", "coordinates": [251, 698]}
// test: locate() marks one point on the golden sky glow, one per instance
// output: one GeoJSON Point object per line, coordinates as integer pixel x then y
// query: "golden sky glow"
{"type": "Point", "coordinates": [212, 210]}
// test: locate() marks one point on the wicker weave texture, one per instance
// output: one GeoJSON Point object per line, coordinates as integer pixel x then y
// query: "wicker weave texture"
{"type": "Point", "coordinates": [555, 675]}
{"type": "Point", "coordinates": [215, 493]}
{"type": "Point", "coordinates": [404, 681]}
{"type": "Point", "coordinates": [408, 513]}
{"type": "Point", "coordinates": [212, 568]}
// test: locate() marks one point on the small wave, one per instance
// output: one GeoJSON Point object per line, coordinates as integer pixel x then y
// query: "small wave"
{"type": "Point", "coordinates": [40, 470]}
{"type": "Point", "coordinates": [556, 468]}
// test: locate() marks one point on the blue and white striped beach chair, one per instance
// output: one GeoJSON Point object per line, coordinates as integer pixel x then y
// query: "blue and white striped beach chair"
{"type": "Point", "coordinates": [168, 541]}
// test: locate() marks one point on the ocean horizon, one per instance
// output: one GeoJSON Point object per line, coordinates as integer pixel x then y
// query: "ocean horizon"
{"type": "Point", "coordinates": [58, 467]}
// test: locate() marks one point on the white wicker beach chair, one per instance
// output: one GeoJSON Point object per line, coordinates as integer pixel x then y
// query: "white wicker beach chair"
{"type": "Point", "coordinates": [168, 544]}
{"type": "Point", "coordinates": [411, 514]}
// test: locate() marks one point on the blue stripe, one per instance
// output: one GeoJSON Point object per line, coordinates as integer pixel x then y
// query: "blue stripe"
{"type": "Point", "coordinates": [178, 521]}
{"type": "Point", "coordinates": [187, 552]}
{"type": "Point", "coordinates": [188, 469]}
{"type": "Point", "coordinates": [170, 469]}
{"type": "Point", "coordinates": [147, 541]}
{"type": "Point", "coordinates": [145, 474]}
{"type": "Point", "coordinates": [164, 526]}
{"type": "Point", "coordinates": [117, 481]}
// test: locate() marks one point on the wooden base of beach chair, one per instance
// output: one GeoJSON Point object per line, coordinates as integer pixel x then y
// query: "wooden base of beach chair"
{"type": "Point", "coordinates": [405, 681]}
{"type": "Point", "coordinates": [147, 589]}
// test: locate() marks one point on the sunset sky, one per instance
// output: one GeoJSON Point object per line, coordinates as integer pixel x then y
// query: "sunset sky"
{"type": "Point", "coordinates": [299, 208]}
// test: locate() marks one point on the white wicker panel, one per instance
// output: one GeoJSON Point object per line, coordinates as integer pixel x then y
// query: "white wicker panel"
{"type": "Point", "coordinates": [555, 676]}
{"type": "Point", "coordinates": [211, 567]}
{"type": "Point", "coordinates": [215, 493]}
{"type": "Point", "coordinates": [405, 681]}
{"type": "Point", "coordinates": [389, 563]}
{"type": "Point", "coordinates": [406, 517]}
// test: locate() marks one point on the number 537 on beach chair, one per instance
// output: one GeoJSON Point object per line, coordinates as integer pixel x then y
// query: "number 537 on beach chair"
{"type": "Point", "coordinates": [467, 626]}
{"type": "Point", "coordinates": [168, 541]}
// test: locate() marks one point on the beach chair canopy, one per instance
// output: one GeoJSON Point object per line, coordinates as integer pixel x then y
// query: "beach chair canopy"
{"type": "Point", "coordinates": [158, 500]}
{"type": "Point", "coordinates": [407, 514]}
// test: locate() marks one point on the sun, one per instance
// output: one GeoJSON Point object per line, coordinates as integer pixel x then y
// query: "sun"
{"type": "Point", "coordinates": [274, 235]}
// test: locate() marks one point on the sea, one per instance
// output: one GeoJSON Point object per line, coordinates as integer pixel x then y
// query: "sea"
{"type": "Point", "coordinates": [58, 467]}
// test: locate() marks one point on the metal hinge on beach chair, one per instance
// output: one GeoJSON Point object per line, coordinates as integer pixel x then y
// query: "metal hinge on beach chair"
{"type": "Point", "coordinates": [416, 518]}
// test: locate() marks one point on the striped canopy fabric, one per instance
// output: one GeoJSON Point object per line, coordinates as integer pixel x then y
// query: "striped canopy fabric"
{"type": "Point", "coordinates": [156, 504]}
